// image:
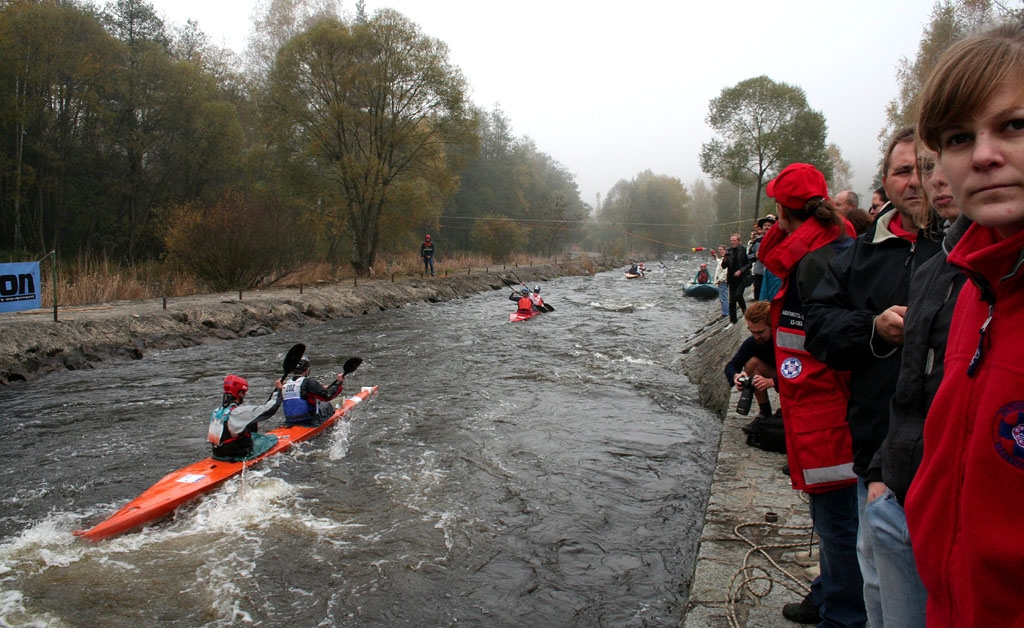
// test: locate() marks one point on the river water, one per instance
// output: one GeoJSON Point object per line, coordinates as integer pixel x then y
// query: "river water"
{"type": "Point", "coordinates": [551, 472]}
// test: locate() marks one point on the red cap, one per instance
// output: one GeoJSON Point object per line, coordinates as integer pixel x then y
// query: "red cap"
{"type": "Point", "coordinates": [796, 184]}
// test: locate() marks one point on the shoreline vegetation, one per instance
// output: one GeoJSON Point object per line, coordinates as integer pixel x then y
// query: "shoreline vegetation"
{"type": "Point", "coordinates": [93, 331]}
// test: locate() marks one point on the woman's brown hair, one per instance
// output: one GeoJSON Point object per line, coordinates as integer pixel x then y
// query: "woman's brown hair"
{"type": "Point", "coordinates": [966, 76]}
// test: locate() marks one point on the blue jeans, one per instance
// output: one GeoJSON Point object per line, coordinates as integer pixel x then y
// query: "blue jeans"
{"type": "Point", "coordinates": [903, 596]}
{"type": "Point", "coordinates": [866, 558]}
{"type": "Point", "coordinates": [835, 520]}
{"type": "Point", "coordinates": [428, 266]}
{"type": "Point", "coordinates": [723, 297]}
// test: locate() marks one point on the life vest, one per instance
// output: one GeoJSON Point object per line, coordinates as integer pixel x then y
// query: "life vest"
{"type": "Point", "coordinates": [218, 433]}
{"type": "Point", "coordinates": [525, 305]}
{"type": "Point", "coordinates": [702, 276]}
{"type": "Point", "coordinates": [536, 300]}
{"type": "Point", "coordinates": [295, 407]}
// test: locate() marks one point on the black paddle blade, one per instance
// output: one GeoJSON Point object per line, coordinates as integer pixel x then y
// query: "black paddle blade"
{"type": "Point", "coordinates": [351, 365]}
{"type": "Point", "coordinates": [291, 359]}
{"type": "Point", "coordinates": [549, 307]}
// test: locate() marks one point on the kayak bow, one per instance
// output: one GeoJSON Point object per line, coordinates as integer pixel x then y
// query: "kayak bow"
{"type": "Point", "coordinates": [188, 483]}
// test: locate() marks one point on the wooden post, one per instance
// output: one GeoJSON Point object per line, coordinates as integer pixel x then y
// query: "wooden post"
{"type": "Point", "coordinates": [165, 303]}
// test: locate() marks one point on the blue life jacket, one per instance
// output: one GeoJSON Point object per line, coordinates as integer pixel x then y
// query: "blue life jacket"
{"type": "Point", "coordinates": [295, 407]}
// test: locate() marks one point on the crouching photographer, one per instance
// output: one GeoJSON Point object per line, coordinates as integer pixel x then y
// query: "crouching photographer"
{"type": "Point", "coordinates": [752, 368]}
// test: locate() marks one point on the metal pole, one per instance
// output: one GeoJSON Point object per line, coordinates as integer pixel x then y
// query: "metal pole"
{"type": "Point", "coordinates": [53, 269]}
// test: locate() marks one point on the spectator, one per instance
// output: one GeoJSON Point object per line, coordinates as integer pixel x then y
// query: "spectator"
{"type": "Point", "coordinates": [737, 263]}
{"type": "Point", "coordinates": [757, 267]}
{"type": "Point", "coordinates": [427, 253]}
{"type": "Point", "coordinates": [722, 279]}
{"type": "Point", "coordinates": [810, 232]}
{"type": "Point", "coordinates": [965, 505]}
{"type": "Point", "coordinates": [933, 292]}
{"type": "Point", "coordinates": [854, 322]}
{"type": "Point", "coordinates": [755, 360]}
{"type": "Point", "coordinates": [878, 201]}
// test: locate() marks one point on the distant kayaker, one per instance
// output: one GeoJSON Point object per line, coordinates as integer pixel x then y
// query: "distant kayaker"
{"type": "Point", "coordinates": [536, 300]}
{"type": "Point", "coordinates": [232, 426]}
{"type": "Point", "coordinates": [523, 301]}
{"type": "Point", "coordinates": [307, 401]}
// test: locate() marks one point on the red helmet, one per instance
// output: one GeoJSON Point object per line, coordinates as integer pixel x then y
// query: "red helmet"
{"type": "Point", "coordinates": [235, 386]}
{"type": "Point", "coordinates": [428, 236]}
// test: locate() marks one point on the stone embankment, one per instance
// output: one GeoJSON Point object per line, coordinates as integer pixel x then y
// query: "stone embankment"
{"type": "Point", "coordinates": [32, 343]}
{"type": "Point", "coordinates": [753, 556]}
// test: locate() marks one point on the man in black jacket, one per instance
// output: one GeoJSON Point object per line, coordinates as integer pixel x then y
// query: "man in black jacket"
{"type": "Point", "coordinates": [855, 323]}
{"type": "Point", "coordinates": [738, 264]}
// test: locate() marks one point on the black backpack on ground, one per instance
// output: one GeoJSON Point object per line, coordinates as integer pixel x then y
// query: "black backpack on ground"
{"type": "Point", "coordinates": [770, 435]}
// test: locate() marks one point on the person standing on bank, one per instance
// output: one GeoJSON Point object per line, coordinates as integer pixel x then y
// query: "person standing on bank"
{"type": "Point", "coordinates": [966, 503]}
{"type": "Point", "coordinates": [809, 233]}
{"type": "Point", "coordinates": [722, 279]}
{"type": "Point", "coordinates": [738, 264]}
{"type": "Point", "coordinates": [307, 402]}
{"type": "Point", "coordinates": [427, 253]}
{"type": "Point", "coordinates": [854, 323]}
{"type": "Point", "coordinates": [933, 293]}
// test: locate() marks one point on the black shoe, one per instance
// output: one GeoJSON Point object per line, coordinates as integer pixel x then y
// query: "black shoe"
{"type": "Point", "coordinates": [802, 612]}
{"type": "Point", "coordinates": [785, 470]}
{"type": "Point", "coordinates": [751, 428]}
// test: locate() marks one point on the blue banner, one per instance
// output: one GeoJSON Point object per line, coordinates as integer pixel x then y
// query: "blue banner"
{"type": "Point", "coordinates": [19, 287]}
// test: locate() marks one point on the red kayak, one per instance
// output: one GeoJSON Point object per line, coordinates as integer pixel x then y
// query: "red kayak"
{"type": "Point", "coordinates": [190, 482]}
{"type": "Point", "coordinates": [517, 316]}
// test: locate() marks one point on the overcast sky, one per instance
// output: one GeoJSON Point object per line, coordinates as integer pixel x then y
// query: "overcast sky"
{"type": "Point", "coordinates": [611, 89]}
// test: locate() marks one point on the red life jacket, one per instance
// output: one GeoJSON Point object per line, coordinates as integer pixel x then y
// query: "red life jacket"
{"type": "Point", "coordinates": [525, 305]}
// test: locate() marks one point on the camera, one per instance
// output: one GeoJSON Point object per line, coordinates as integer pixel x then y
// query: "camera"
{"type": "Point", "coordinates": [746, 396]}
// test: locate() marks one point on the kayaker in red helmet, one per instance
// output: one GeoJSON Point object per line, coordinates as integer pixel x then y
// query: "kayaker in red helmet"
{"type": "Point", "coordinates": [233, 427]}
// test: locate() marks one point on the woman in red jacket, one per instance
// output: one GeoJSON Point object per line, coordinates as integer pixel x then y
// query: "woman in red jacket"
{"type": "Point", "coordinates": [966, 503]}
{"type": "Point", "coordinates": [797, 249]}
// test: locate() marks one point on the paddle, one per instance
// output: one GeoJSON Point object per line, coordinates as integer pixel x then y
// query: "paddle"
{"type": "Point", "coordinates": [291, 359]}
{"type": "Point", "coordinates": [350, 365]}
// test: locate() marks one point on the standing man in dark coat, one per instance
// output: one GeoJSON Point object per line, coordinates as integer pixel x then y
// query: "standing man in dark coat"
{"type": "Point", "coordinates": [855, 323]}
{"type": "Point", "coordinates": [737, 264]}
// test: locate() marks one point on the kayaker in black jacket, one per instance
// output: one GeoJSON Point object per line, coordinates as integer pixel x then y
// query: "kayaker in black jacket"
{"type": "Point", "coordinates": [307, 401]}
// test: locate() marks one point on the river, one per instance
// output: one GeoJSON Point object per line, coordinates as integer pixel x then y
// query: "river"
{"type": "Point", "coordinates": [551, 472]}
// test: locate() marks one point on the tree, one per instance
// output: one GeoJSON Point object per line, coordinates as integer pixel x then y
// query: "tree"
{"type": "Point", "coordinates": [951, 20]}
{"type": "Point", "coordinates": [55, 62]}
{"type": "Point", "coordinates": [360, 108]}
{"type": "Point", "coordinates": [842, 170]}
{"type": "Point", "coordinates": [763, 126]}
{"type": "Point", "coordinates": [651, 211]}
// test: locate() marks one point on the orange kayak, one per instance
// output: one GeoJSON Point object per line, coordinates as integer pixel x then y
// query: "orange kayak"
{"type": "Point", "coordinates": [188, 483]}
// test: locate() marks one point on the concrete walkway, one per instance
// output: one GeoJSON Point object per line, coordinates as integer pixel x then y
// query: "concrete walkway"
{"type": "Point", "coordinates": [756, 527]}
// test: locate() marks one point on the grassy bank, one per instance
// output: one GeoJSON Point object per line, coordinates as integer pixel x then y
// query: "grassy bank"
{"type": "Point", "coordinates": [89, 281]}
